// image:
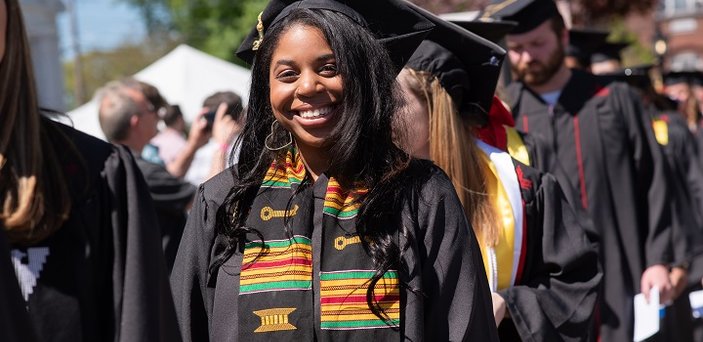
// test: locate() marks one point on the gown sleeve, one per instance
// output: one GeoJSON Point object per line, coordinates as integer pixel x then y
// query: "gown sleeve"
{"type": "Point", "coordinates": [142, 300]}
{"type": "Point", "coordinates": [190, 273]}
{"type": "Point", "coordinates": [458, 303]}
{"type": "Point", "coordinates": [555, 299]}
{"type": "Point", "coordinates": [190, 278]}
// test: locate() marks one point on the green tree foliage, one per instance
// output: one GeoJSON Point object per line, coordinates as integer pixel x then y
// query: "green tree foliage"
{"type": "Point", "coordinates": [100, 67]}
{"type": "Point", "coordinates": [214, 26]}
{"type": "Point", "coordinates": [218, 26]}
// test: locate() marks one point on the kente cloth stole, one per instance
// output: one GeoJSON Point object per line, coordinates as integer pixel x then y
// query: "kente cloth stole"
{"type": "Point", "coordinates": [280, 294]}
{"type": "Point", "coordinates": [502, 260]}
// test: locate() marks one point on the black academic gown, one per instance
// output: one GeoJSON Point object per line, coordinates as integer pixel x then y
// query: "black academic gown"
{"type": "Point", "coordinates": [171, 197]}
{"type": "Point", "coordinates": [607, 152]}
{"type": "Point", "coordinates": [443, 261]}
{"type": "Point", "coordinates": [681, 154]}
{"type": "Point", "coordinates": [102, 275]}
{"type": "Point", "coordinates": [554, 298]}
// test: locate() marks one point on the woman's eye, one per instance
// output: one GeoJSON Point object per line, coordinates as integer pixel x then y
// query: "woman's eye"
{"type": "Point", "coordinates": [286, 75]}
{"type": "Point", "coordinates": [329, 69]}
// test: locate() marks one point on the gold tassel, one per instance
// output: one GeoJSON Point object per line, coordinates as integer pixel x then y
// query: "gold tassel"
{"type": "Point", "coordinates": [259, 27]}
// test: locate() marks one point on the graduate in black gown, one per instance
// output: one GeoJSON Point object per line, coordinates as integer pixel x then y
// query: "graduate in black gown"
{"type": "Point", "coordinates": [542, 271]}
{"type": "Point", "coordinates": [605, 149]}
{"type": "Point", "coordinates": [79, 221]}
{"type": "Point", "coordinates": [326, 230]}
{"type": "Point", "coordinates": [682, 155]}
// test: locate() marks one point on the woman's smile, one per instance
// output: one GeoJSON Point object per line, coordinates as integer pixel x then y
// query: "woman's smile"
{"type": "Point", "coordinates": [306, 87]}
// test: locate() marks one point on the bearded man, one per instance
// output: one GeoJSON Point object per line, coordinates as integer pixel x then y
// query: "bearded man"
{"type": "Point", "coordinates": [604, 148]}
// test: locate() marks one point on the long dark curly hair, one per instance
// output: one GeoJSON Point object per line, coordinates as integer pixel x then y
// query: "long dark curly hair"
{"type": "Point", "coordinates": [362, 145]}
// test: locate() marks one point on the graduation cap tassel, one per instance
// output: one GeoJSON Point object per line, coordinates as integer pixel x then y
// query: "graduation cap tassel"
{"type": "Point", "coordinates": [260, 28]}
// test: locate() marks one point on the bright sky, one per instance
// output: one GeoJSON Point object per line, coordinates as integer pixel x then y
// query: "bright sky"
{"type": "Point", "coordinates": [102, 25]}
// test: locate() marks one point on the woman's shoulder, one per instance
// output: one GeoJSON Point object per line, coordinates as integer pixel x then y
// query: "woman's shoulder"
{"type": "Point", "coordinates": [217, 188]}
{"type": "Point", "coordinates": [91, 149]}
{"type": "Point", "coordinates": [429, 179]}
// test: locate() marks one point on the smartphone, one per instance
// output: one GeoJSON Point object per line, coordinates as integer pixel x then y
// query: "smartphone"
{"type": "Point", "coordinates": [210, 118]}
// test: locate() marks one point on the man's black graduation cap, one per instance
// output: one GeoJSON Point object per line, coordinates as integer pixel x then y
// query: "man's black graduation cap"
{"type": "Point", "coordinates": [693, 77]}
{"type": "Point", "coordinates": [486, 27]}
{"type": "Point", "coordinates": [399, 28]}
{"type": "Point", "coordinates": [493, 30]}
{"type": "Point", "coordinates": [466, 65]}
{"type": "Point", "coordinates": [608, 51]}
{"type": "Point", "coordinates": [583, 42]}
{"type": "Point", "coordinates": [527, 13]}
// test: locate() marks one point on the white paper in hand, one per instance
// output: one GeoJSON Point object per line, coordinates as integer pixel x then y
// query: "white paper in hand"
{"type": "Point", "coordinates": [646, 315]}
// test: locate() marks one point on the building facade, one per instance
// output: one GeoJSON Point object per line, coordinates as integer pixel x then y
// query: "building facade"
{"type": "Point", "coordinates": [680, 23]}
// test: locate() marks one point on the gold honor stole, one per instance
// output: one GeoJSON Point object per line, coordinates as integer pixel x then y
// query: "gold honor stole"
{"type": "Point", "coordinates": [502, 262]}
{"type": "Point", "coordinates": [661, 131]}
{"type": "Point", "coordinates": [516, 146]}
{"type": "Point", "coordinates": [283, 267]}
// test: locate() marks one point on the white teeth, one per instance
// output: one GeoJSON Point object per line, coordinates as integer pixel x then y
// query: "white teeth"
{"type": "Point", "coordinates": [314, 113]}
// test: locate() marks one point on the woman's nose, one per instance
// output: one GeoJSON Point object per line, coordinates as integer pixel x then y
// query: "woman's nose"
{"type": "Point", "coordinates": [309, 84]}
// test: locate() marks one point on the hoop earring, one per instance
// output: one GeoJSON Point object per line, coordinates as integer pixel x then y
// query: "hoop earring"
{"type": "Point", "coordinates": [270, 136]}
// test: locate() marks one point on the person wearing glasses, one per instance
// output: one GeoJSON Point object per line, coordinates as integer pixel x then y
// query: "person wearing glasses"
{"type": "Point", "coordinates": [128, 118]}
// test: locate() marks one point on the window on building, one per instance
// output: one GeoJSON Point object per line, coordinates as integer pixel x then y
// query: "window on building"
{"type": "Point", "coordinates": [680, 7]}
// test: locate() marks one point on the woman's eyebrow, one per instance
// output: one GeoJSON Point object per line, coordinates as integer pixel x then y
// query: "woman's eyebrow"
{"type": "Point", "coordinates": [291, 63]}
{"type": "Point", "coordinates": [326, 57]}
{"type": "Point", "coordinates": [286, 62]}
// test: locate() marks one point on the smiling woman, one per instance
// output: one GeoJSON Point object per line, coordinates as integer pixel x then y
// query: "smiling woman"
{"type": "Point", "coordinates": [306, 90]}
{"type": "Point", "coordinates": [339, 235]}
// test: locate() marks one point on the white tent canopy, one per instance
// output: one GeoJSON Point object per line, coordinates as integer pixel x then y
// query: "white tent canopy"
{"type": "Point", "coordinates": [185, 76]}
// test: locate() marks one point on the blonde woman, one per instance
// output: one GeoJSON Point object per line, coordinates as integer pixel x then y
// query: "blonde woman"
{"type": "Point", "coordinates": [540, 267]}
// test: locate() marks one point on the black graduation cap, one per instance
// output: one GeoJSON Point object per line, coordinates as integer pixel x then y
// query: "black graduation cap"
{"type": "Point", "coordinates": [583, 42]}
{"type": "Point", "coordinates": [527, 13]}
{"type": "Point", "coordinates": [393, 23]}
{"type": "Point", "coordinates": [608, 51]}
{"type": "Point", "coordinates": [637, 76]}
{"type": "Point", "coordinates": [692, 77]}
{"type": "Point", "coordinates": [493, 30]}
{"type": "Point", "coordinates": [466, 65]}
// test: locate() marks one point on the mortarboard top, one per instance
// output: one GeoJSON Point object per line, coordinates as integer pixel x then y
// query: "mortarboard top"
{"type": "Point", "coordinates": [692, 77]}
{"type": "Point", "coordinates": [488, 28]}
{"type": "Point", "coordinates": [528, 14]}
{"type": "Point", "coordinates": [637, 76]}
{"type": "Point", "coordinates": [399, 28]}
{"type": "Point", "coordinates": [608, 51]}
{"type": "Point", "coordinates": [466, 65]}
{"type": "Point", "coordinates": [583, 41]}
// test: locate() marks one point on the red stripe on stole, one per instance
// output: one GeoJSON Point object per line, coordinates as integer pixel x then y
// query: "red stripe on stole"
{"type": "Point", "coordinates": [358, 299]}
{"type": "Point", "coordinates": [525, 124]}
{"type": "Point", "coordinates": [579, 161]}
{"type": "Point", "coordinates": [286, 262]}
{"type": "Point", "coordinates": [523, 249]}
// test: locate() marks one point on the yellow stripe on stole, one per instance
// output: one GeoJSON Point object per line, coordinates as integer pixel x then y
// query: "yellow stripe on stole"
{"type": "Point", "coordinates": [516, 146]}
{"type": "Point", "coordinates": [504, 250]}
